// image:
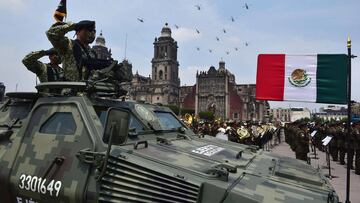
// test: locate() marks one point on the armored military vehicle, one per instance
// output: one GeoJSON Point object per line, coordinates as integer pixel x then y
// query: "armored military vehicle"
{"type": "Point", "coordinates": [86, 145]}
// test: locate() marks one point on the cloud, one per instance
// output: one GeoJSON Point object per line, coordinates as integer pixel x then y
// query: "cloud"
{"type": "Point", "coordinates": [184, 34]}
{"type": "Point", "coordinates": [12, 5]}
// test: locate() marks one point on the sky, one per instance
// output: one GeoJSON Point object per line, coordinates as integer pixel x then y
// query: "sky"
{"type": "Point", "coordinates": [271, 26]}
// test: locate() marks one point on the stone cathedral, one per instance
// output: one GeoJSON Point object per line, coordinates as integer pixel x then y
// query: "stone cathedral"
{"type": "Point", "coordinates": [215, 90]}
{"type": "Point", "coordinates": [163, 84]}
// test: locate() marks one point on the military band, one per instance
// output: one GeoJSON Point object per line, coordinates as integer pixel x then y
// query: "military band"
{"type": "Point", "coordinates": [297, 135]}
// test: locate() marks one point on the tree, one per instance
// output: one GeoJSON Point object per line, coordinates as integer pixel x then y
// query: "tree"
{"type": "Point", "coordinates": [173, 108]}
{"type": "Point", "coordinates": [207, 115]}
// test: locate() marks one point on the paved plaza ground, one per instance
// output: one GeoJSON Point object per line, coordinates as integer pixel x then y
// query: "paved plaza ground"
{"type": "Point", "coordinates": [339, 182]}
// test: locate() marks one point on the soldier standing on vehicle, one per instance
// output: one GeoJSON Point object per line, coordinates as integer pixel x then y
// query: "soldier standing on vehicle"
{"type": "Point", "coordinates": [78, 59]}
{"type": "Point", "coordinates": [45, 72]}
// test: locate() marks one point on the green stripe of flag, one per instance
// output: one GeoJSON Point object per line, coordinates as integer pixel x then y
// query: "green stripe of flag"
{"type": "Point", "coordinates": [332, 71]}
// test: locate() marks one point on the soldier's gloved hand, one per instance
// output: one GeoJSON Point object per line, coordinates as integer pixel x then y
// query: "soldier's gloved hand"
{"type": "Point", "coordinates": [71, 25]}
{"type": "Point", "coordinates": [50, 52]}
{"type": "Point", "coordinates": [43, 52]}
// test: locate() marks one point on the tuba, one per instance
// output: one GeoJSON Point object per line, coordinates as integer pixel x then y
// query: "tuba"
{"type": "Point", "coordinates": [259, 131]}
{"type": "Point", "coordinates": [242, 133]}
{"type": "Point", "coordinates": [188, 119]}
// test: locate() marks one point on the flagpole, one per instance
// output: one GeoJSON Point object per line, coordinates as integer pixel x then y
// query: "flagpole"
{"type": "Point", "coordinates": [348, 123]}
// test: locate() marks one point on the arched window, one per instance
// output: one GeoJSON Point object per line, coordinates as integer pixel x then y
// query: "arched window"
{"type": "Point", "coordinates": [155, 72]}
{"type": "Point", "coordinates": [160, 75]}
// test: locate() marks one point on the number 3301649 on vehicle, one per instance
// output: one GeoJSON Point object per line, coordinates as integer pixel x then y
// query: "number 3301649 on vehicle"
{"type": "Point", "coordinates": [39, 185]}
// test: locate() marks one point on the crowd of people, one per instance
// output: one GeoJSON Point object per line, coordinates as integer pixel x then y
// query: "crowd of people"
{"type": "Point", "coordinates": [263, 135]}
{"type": "Point", "coordinates": [303, 137]}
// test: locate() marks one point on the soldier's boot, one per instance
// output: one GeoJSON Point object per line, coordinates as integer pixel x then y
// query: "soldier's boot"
{"type": "Point", "coordinates": [342, 156]}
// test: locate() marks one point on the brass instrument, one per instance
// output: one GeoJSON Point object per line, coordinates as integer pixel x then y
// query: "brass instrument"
{"type": "Point", "coordinates": [242, 133]}
{"type": "Point", "coordinates": [188, 119]}
{"type": "Point", "coordinates": [259, 131]}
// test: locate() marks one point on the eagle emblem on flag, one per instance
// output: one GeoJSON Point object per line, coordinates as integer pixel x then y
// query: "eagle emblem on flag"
{"type": "Point", "coordinates": [299, 78]}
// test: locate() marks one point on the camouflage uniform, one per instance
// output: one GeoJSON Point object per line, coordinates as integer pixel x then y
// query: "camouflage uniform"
{"type": "Point", "coordinates": [71, 51]}
{"type": "Point", "coordinates": [351, 150]}
{"type": "Point", "coordinates": [302, 145]}
{"type": "Point", "coordinates": [45, 72]}
{"type": "Point", "coordinates": [357, 150]}
{"type": "Point", "coordinates": [333, 144]}
{"type": "Point", "coordinates": [341, 144]}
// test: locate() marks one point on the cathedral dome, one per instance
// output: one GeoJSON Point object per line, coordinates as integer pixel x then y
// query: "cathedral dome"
{"type": "Point", "coordinates": [166, 31]}
{"type": "Point", "coordinates": [100, 40]}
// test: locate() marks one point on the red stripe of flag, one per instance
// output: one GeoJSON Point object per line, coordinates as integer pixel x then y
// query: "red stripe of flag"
{"type": "Point", "coordinates": [270, 77]}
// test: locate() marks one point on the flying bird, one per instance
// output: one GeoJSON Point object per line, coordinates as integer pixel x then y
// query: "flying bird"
{"type": "Point", "coordinates": [246, 6]}
{"type": "Point", "coordinates": [217, 39]}
{"type": "Point", "coordinates": [198, 7]}
{"type": "Point", "coordinates": [227, 52]}
{"type": "Point", "coordinates": [197, 31]}
{"type": "Point", "coordinates": [236, 49]}
{"type": "Point", "coordinates": [210, 50]}
{"type": "Point", "coordinates": [198, 48]}
{"type": "Point", "coordinates": [246, 43]}
{"type": "Point", "coordinates": [176, 26]}
{"type": "Point", "coordinates": [140, 20]}
{"type": "Point", "coordinates": [232, 19]}
{"type": "Point", "coordinates": [224, 30]}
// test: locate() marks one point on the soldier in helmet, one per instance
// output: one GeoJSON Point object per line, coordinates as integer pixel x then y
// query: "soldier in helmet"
{"type": "Point", "coordinates": [48, 72]}
{"type": "Point", "coordinates": [78, 59]}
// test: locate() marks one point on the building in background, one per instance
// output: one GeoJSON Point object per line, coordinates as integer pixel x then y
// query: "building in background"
{"type": "Point", "coordinates": [163, 85]}
{"type": "Point", "coordinates": [355, 108]}
{"type": "Point", "coordinates": [216, 91]}
{"type": "Point", "coordinates": [102, 52]}
{"type": "Point", "coordinates": [280, 114]}
{"type": "Point", "coordinates": [298, 113]}
{"type": "Point", "coordinates": [2, 92]}
{"type": "Point", "coordinates": [252, 109]}
{"type": "Point", "coordinates": [332, 112]}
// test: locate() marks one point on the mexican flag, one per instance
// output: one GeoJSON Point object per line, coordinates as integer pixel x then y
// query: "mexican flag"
{"type": "Point", "coordinates": [320, 78]}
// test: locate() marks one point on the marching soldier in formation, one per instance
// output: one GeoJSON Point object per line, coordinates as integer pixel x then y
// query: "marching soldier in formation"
{"type": "Point", "coordinates": [340, 133]}
{"type": "Point", "coordinates": [351, 148]}
{"type": "Point", "coordinates": [296, 135]}
{"type": "Point", "coordinates": [333, 145]}
{"type": "Point", "coordinates": [356, 134]}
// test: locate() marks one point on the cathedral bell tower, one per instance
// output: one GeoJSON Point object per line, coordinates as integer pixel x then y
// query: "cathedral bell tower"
{"type": "Point", "coordinates": [165, 69]}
